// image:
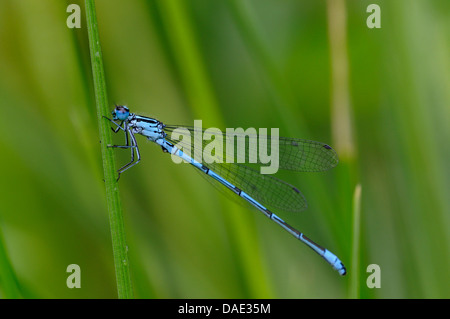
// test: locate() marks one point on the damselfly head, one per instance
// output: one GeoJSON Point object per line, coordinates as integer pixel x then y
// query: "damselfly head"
{"type": "Point", "coordinates": [121, 112]}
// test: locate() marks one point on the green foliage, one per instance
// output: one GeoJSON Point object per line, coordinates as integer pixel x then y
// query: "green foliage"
{"type": "Point", "coordinates": [252, 63]}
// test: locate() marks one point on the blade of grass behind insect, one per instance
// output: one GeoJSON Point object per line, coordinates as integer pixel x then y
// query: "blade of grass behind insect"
{"type": "Point", "coordinates": [291, 119]}
{"type": "Point", "coordinates": [203, 103]}
{"type": "Point", "coordinates": [271, 77]}
{"type": "Point", "coordinates": [342, 117]}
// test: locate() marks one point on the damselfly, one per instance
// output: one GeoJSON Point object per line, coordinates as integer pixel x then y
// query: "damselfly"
{"type": "Point", "coordinates": [261, 191]}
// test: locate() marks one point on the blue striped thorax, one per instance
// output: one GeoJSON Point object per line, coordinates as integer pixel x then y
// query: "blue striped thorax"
{"type": "Point", "coordinates": [150, 128]}
{"type": "Point", "coordinates": [146, 126]}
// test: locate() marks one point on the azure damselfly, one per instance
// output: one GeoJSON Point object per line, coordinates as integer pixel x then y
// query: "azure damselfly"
{"type": "Point", "coordinates": [261, 191]}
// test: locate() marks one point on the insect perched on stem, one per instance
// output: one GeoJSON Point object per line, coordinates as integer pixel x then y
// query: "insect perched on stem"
{"type": "Point", "coordinates": [246, 182]}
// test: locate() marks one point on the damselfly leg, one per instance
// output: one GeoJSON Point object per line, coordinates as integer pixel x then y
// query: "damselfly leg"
{"type": "Point", "coordinates": [134, 147]}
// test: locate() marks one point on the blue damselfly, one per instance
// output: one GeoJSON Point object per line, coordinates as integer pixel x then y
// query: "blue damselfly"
{"type": "Point", "coordinates": [261, 191]}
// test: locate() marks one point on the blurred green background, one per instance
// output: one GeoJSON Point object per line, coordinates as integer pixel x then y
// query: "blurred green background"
{"type": "Point", "coordinates": [380, 97]}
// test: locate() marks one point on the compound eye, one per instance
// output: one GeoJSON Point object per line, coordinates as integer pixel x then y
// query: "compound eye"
{"type": "Point", "coordinates": [121, 112]}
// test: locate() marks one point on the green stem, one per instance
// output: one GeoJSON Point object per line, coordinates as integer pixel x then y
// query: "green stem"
{"type": "Point", "coordinates": [124, 288]}
{"type": "Point", "coordinates": [354, 277]}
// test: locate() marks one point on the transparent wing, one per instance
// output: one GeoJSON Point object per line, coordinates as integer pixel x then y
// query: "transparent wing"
{"type": "Point", "coordinates": [266, 189]}
{"type": "Point", "coordinates": [245, 147]}
{"type": "Point", "coordinates": [294, 154]}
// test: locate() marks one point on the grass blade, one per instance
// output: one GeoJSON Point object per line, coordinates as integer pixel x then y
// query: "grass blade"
{"type": "Point", "coordinates": [354, 274]}
{"type": "Point", "coordinates": [203, 103]}
{"type": "Point", "coordinates": [124, 287]}
{"type": "Point", "coordinates": [342, 122]}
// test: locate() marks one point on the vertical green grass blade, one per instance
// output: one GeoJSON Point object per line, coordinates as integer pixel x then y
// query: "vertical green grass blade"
{"type": "Point", "coordinates": [203, 103]}
{"type": "Point", "coordinates": [273, 80]}
{"type": "Point", "coordinates": [354, 274]}
{"type": "Point", "coordinates": [124, 288]}
{"type": "Point", "coordinates": [192, 70]}
{"type": "Point", "coordinates": [342, 123]}
{"type": "Point", "coordinates": [343, 133]}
